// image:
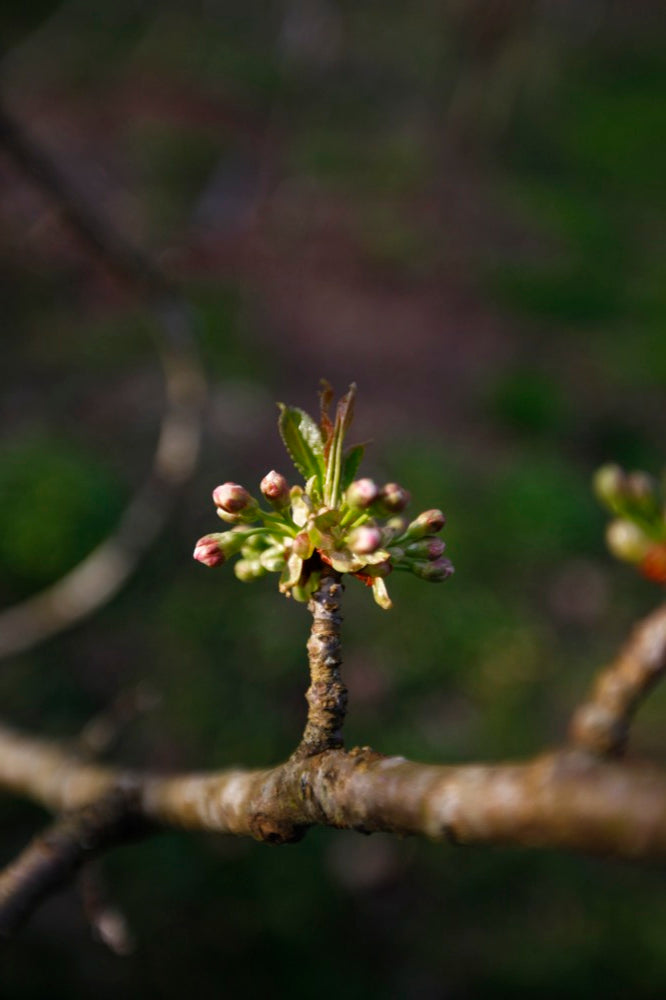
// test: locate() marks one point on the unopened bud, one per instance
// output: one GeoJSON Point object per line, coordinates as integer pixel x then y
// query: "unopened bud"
{"type": "Point", "coordinates": [435, 571]}
{"type": "Point", "coordinates": [609, 485]}
{"type": "Point", "coordinates": [273, 560]}
{"type": "Point", "coordinates": [426, 548]}
{"type": "Point", "coordinates": [302, 545]}
{"type": "Point", "coordinates": [641, 492]}
{"type": "Point", "coordinates": [626, 541]}
{"type": "Point", "coordinates": [208, 551]}
{"type": "Point", "coordinates": [365, 540]}
{"type": "Point", "coordinates": [394, 498]}
{"type": "Point", "coordinates": [275, 488]}
{"type": "Point", "coordinates": [427, 523]}
{"type": "Point", "coordinates": [248, 570]}
{"type": "Point", "coordinates": [232, 498]}
{"type": "Point", "coordinates": [362, 493]}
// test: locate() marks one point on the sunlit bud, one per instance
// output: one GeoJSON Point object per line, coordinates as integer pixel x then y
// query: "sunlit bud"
{"type": "Point", "coordinates": [365, 540]}
{"type": "Point", "coordinates": [427, 523]}
{"type": "Point", "coordinates": [208, 551]}
{"type": "Point", "coordinates": [232, 498]}
{"type": "Point", "coordinates": [275, 488]}
{"type": "Point", "coordinates": [435, 571]}
{"type": "Point", "coordinates": [626, 541]}
{"type": "Point", "coordinates": [394, 498]}
{"type": "Point", "coordinates": [362, 493]}
{"type": "Point", "coordinates": [248, 570]}
{"type": "Point", "coordinates": [426, 548]}
{"type": "Point", "coordinates": [609, 485]}
{"type": "Point", "coordinates": [302, 545]}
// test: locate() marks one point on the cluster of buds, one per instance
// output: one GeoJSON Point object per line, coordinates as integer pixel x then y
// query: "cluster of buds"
{"type": "Point", "coordinates": [352, 525]}
{"type": "Point", "coordinates": [637, 533]}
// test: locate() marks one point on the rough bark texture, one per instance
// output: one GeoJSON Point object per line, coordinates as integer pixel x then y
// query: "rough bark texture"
{"type": "Point", "coordinates": [327, 695]}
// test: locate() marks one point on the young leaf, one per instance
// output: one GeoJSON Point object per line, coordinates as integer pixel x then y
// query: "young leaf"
{"type": "Point", "coordinates": [350, 464]}
{"type": "Point", "coordinates": [302, 439]}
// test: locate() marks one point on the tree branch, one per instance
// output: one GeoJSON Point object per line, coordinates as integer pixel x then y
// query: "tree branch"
{"type": "Point", "coordinates": [52, 858]}
{"type": "Point", "coordinates": [327, 695]}
{"type": "Point", "coordinates": [601, 724]}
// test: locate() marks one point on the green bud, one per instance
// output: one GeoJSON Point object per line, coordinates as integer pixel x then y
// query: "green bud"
{"type": "Point", "coordinates": [626, 541]}
{"type": "Point", "coordinates": [248, 570]}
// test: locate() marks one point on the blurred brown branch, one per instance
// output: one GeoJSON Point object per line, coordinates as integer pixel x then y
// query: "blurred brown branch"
{"type": "Point", "coordinates": [104, 571]}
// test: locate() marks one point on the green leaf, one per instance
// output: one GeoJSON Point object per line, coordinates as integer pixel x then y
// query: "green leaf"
{"type": "Point", "coordinates": [302, 439]}
{"type": "Point", "coordinates": [350, 464]}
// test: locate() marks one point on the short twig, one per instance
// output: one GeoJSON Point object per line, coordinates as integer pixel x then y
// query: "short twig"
{"type": "Point", "coordinates": [601, 724]}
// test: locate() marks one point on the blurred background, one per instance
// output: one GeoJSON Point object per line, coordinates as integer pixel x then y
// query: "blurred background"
{"type": "Point", "coordinates": [461, 206]}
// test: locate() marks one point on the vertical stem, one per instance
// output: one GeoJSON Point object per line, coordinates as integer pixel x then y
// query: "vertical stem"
{"type": "Point", "coordinates": [327, 695]}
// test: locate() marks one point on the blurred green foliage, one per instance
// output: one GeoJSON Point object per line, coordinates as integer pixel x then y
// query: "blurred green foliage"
{"type": "Point", "coordinates": [552, 225]}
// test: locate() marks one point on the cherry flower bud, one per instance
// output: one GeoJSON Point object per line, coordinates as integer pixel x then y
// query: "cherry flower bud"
{"type": "Point", "coordinates": [427, 548]}
{"type": "Point", "coordinates": [232, 498]}
{"type": "Point", "coordinates": [275, 488]}
{"type": "Point", "coordinates": [435, 572]}
{"type": "Point", "coordinates": [609, 485]}
{"type": "Point", "coordinates": [626, 541]}
{"type": "Point", "coordinates": [427, 523]}
{"type": "Point", "coordinates": [394, 498]}
{"type": "Point", "coordinates": [302, 545]}
{"type": "Point", "coordinates": [365, 540]}
{"type": "Point", "coordinates": [248, 570]}
{"type": "Point", "coordinates": [362, 493]}
{"type": "Point", "coordinates": [208, 551]}
{"type": "Point", "coordinates": [641, 491]}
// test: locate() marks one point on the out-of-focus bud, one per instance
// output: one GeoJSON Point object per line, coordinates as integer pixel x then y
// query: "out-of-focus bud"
{"type": "Point", "coordinates": [394, 497]}
{"type": "Point", "coordinates": [273, 559]}
{"type": "Point", "coordinates": [435, 571]}
{"type": "Point", "coordinates": [641, 492]}
{"type": "Point", "coordinates": [427, 523]}
{"type": "Point", "coordinates": [426, 548]}
{"type": "Point", "coordinates": [396, 526]}
{"type": "Point", "coordinates": [609, 485]}
{"type": "Point", "coordinates": [302, 545]}
{"type": "Point", "coordinates": [232, 498]}
{"type": "Point", "coordinates": [248, 570]}
{"type": "Point", "coordinates": [364, 540]}
{"type": "Point", "coordinates": [362, 493]}
{"type": "Point", "coordinates": [626, 541]}
{"type": "Point", "coordinates": [208, 551]}
{"type": "Point", "coordinates": [653, 565]}
{"type": "Point", "coordinates": [275, 488]}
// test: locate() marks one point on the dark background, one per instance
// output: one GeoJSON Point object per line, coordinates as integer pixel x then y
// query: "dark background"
{"type": "Point", "coordinates": [460, 205]}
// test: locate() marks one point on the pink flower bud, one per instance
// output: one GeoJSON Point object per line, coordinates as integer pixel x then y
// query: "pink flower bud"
{"type": "Point", "coordinates": [435, 571]}
{"type": "Point", "coordinates": [208, 551]}
{"type": "Point", "coordinates": [275, 488]}
{"type": "Point", "coordinates": [394, 497]}
{"type": "Point", "coordinates": [232, 498]}
{"type": "Point", "coordinates": [302, 545]}
{"type": "Point", "coordinates": [365, 540]}
{"type": "Point", "coordinates": [362, 493]}
{"type": "Point", "coordinates": [428, 522]}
